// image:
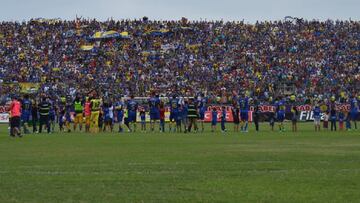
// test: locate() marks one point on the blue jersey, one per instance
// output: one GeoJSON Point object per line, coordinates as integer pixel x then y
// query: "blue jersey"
{"type": "Point", "coordinates": [341, 116]}
{"type": "Point", "coordinates": [184, 111]}
{"type": "Point", "coordinates": [142, 116]}
{"type": "Point", "coordinates": [69, 104]}
{"type": "Point", "coordinates": [202, 104]}
{"type": "Point", "coordinates": [132, 105]}
{"type": "Point", "coordinates": [119, 106]}
{"type": "Point", "coordinates": [154, 104]}
{"type": "Point", "coordinates": [213, 116]}
{"type": "Point", "coordinates": [333, 113]}
{"type": "Point", "coordinates": [52, 108]}
{"type": "Point", "coordinates": [26, 106]}
{"type": "Point", "coordinates": [280, 106]}
{"type": "Point", "coordinates": [317, 112]}
{"type": "Point", "coordinates": [244, 104]}
{"type": "Point", "coordinates": [354, 105]}
{"type": "Point", "coordinates": [223, 116]}
{"type": "Point", "coordinates": [106, 112]}
{"type": "Point", "coordinates": [61, 107]}
{"type": "Point", "coordinates": [174, 105]}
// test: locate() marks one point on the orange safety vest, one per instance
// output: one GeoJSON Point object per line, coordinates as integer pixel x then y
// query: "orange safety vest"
{"type": "Point", "coordinates": [87, 109]}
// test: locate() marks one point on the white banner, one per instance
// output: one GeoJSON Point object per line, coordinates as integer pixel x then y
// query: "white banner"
{"type": "Point", "coordinates": [4, 118]}
{"type": "Point", "coordinates": [309, 116]}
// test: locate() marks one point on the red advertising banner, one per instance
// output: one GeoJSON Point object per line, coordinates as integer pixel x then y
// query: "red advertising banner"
{"type": "Point", "coordinates": [270, 108]}
{"type": "Point", "coordinates": [4, 109]}
{"type": "Point", "coordinates": [229, 116]}
{"type": "Point", "coordinates": [208, 115]}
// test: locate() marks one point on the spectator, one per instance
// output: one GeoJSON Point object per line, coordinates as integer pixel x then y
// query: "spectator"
{"type": "Point", "coordinates": [188, 57]}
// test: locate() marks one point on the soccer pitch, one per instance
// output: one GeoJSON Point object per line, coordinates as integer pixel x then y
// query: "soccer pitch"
{"type": "Point", "coordinates": [175, 167]}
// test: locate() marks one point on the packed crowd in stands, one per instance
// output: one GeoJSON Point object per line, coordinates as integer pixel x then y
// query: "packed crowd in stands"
{"type": "Point", "coordinates": [184, 57]}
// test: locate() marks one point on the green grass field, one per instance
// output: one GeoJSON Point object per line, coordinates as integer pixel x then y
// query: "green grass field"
{"type": "Point", "coordinates": [163, 167]}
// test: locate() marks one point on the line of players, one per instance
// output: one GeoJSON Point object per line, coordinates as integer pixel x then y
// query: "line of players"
{"type": "Point", "coordinates": [332, 115]}
{"type": "Point", "coordinates": [99, 114]}
{"type": "Point", "coordinates": [325, 108]}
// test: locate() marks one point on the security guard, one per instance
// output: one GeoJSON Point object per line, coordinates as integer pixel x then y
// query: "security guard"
{"type": "Point", "coordinates": [44, 109]}
{"type": "Point", "coordinates": [78, 105]}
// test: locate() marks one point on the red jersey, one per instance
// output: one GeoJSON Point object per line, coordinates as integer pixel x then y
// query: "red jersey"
{"type": "Point", "coordinates": [162, 113]}
{"type": "Point", "coordinates": [15, 108]}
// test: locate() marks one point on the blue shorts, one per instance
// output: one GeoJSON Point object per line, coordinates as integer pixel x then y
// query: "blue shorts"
{"type": "Point", "coordinates": [173, 115]}
{"type": "Point", "coordinates": [281, 117]}
{"type": "Point", "coordinates": [67, 117]}
{"type": "Point", "coordinates": [61, 119]}
{"type": "Point", "coordinates": [119, 117]}
{"type": "Point", "coordinates": [213, 122]}
{"type": "Point", "coordinates": [244, 116]}
{"type": "Point", "coordinates": [202, 115]}
{"type": "Point", "coordinates": [354, 116]}
{"type": "Point", "coordinates": [52, 117]}
{"type": "Point", "coordinates": [179, 117]}
{"type": "Point", "coordinates": [132, 116]}
{"type": "Point", "coordinates": [154, 115]}
{"type": "Point", "coordinates": [109, 120]}
{"type": "Point", "coordinates": [25, 117]}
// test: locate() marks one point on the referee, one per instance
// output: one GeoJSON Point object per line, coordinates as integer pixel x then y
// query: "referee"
{"type": "Point", "coordinates": [192, 115]}
{"type": "Point", "coordinates": [44, 109]}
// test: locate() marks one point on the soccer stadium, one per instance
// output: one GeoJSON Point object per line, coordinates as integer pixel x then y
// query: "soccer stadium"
{"type": "Point", "coordinates": [169, 101]}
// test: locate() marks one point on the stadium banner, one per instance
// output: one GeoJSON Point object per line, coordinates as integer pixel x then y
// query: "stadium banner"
{"type": "Point", "coordinates": [87, 47]}
{"type": "Point", "coordinates": [3, 109]}
{"type": "Point", "coordinates": [229, 116]}
{"type": "Point", "coordinates": [271, 108]}
{"type": "Point", "coordinates": [308, 116]}
{"type": "Point", "coordinates": [4, 118]}
{"type": "Point", "coordinates": [4, 115]}
{"type": "Point", "coordinates": [27, 87]}
{"type": "Point", "coordinates": [305, 113]}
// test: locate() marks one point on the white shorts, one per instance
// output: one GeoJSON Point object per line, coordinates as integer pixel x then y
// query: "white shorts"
{"type": "Point", "coordinates": [317, 121]}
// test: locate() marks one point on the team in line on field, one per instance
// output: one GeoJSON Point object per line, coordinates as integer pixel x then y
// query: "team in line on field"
{"type": "Point", "coordinates": [186, 114]}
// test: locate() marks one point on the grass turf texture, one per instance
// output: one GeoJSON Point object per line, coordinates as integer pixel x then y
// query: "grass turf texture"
{"type": "Point", "coordinates": [163, 167]}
